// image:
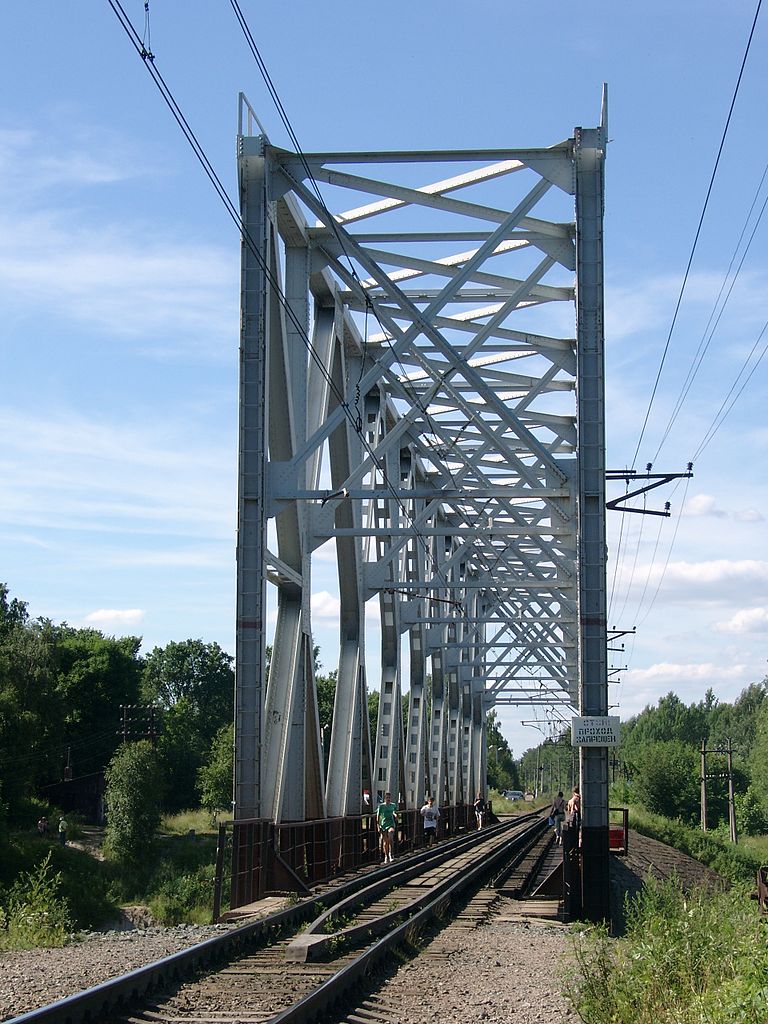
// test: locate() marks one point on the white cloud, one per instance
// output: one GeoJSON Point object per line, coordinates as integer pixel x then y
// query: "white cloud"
{"type": "Point", "coordinates": [121, 276]}
{"type": "Point", "coordinates": [29, 164]}
{"type": "Point", "coordinates": [703, 505]}
{"type": "Point", "coordinates": [749, 515]}
{"type": "Point", "coordinates": [744, 570]}
{"type": "Point", "coordinates": [670, 672]}
{"type": "Point", "coordinates": [325, 606]}
{"type": "Point", "coordinates": [110, 279]}
{"type": "Point", "coordinates": [71, 472]}
{"type": "Point", "coordinates": [115, 617]}
{"type": "Point", "coordinates": [748, 620]}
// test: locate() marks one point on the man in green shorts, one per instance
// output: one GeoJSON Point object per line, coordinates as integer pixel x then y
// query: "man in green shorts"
{"type": "Point", "coordinates": [386, 819]}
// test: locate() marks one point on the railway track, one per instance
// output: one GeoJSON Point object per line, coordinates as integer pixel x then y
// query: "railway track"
{"type": "Point", "coordinates": [311, 959]}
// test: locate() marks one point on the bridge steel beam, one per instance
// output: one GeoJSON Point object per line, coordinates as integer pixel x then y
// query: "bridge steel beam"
{"type": "Point", "coordinates": [408, 399]}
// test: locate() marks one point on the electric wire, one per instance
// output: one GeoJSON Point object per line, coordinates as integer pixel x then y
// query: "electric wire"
{"type": "Point", "coordinates": [716, 314]}
{"type": "Point", "coordinates": [669, 555]}
{"type": "Point", "coordinates": [698, 231]}
{"type": "Point", "coordinates": [723, 412]}
{"type": "Point", "coordinates": [329, 217]}
{"type": "Point", "coordinates": [149, 62]}
{"type": "Point", "coordinates": [332, 224]}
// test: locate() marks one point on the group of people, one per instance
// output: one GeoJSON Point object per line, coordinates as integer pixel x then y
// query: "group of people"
{"type": "Point", "coordinates": [387, 819]}
{"type": "Point", "coordinates": [43, 829]}
{"type": "Point", "coordinates": [562, 813]}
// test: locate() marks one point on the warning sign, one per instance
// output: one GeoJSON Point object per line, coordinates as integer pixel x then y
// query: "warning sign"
{"type": "Point", "coordinates": [595, 731]}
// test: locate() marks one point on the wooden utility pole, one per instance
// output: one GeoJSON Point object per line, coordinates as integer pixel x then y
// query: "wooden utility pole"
{"type": "Point", "coordinates": [728, 774]}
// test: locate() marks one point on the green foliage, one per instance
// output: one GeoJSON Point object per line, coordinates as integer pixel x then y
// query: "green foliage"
{"type": "Point", "coordinates": [194, 683]}
{"type": "Point", "coordinates": [373, 715]}
{"type": "Point", "coordinates": [186, 897]}
{"type": "Point", "coordinates": [180, 824]}
{"type": "Point", "coordinates": [759, 756]}
{"type": "Point", "coordinates": [60, 691]}
{"type": "Point", "coordinates": [214, 778]}
{"type": "Point", "coordinates": [502, 770]}
{"type": "Point", "coordinates": [666, 779]}
{"type": "Point", "coordinates": [670, 720]}
{"type": "Point", "coordinates": [751, 819]}
{"type": "Point", "coordinates": [133, 794]}
{"type": "Point", "coordinates": [697, 958]}
{"type": "Point", "coordinates": [37, 912]}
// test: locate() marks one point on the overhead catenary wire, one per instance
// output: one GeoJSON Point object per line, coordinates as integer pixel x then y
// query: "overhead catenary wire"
{"type": "Point", "coordinates": [726, 407]}
{"type": "Point", "coordinates": [329, 217]}
{"type": "Point", "coordinates": [698, 231]}
{"type": "Point", "coordinates": [148, 59]}
{"type": "Point", "coordinates": [717, 314]}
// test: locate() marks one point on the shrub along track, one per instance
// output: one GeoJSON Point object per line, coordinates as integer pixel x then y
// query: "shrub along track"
{"type": "Point", "coordinates": [299, 973]}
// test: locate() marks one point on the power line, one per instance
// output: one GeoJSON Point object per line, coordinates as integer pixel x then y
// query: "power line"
{"type": "Point", "coordinates": [148, 59]}
{"type": "Point", "coordinates": [698, 231]}
{"type": "Point", "coordinates": [329, 217]}
{"type": "Point", "coordinates": [708, 334]}
{"type": "Point", "coordinates": [723, 412]}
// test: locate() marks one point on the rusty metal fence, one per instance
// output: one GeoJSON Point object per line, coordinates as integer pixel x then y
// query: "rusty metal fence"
{"type": "Point", "coordinates": [256, 857]}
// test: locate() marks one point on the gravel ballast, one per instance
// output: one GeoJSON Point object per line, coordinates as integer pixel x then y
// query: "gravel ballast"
{"type": "Point", "coordinates": [33, 978]}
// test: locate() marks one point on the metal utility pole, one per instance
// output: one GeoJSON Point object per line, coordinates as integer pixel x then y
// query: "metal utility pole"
{"type": "Point", "coordinates": [593, 685]}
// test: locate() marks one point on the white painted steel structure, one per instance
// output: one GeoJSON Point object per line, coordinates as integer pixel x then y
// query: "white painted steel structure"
{"type": "Point", "coordinates": [418, 398]}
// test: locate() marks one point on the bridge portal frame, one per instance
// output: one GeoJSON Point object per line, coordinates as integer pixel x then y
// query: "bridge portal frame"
{"type": "Point", "coordinates": [475, 518]}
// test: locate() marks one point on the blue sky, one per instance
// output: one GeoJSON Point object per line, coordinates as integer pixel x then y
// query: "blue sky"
{"type": "Point", "coordinates": [119, 289]}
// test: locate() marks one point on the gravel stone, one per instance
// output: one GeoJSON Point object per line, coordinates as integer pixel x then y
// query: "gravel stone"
{"type": "Point", "coordinates": [502, 971]}
{"type": "Point", "coordinates": [33, 978]}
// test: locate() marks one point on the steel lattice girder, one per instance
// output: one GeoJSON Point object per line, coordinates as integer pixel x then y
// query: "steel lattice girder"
{"type": "Point", "coordinates": [408, 392]}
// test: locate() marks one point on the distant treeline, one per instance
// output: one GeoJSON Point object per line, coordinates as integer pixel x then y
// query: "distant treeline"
{"type": "Point", "coordinates": [658, 764]}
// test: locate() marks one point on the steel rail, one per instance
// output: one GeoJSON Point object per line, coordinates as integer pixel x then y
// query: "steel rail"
{"type": "Point", "coordinates": [315, 1005]}
{"type": "Point", "coordinates": [111, 996]}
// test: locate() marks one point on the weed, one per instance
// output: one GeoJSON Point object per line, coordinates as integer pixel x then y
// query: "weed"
{"type": "Point", "coordinates": [200, 822]}
{"type": "Point", "coordinates": [37, 913]}
{"type": "Point", "coordinates": [698, 958]}
{"type": "Point", "coordinates": [732, 862]}
{"type": "Point", "coordinates": [184, 898]}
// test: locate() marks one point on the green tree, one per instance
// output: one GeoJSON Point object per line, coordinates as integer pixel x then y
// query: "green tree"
{"type": "Point", "coordinates": [194, 684]}
{"type": "Point", "coordinates": [666, 779]}
{"type": "Point", "coordinates": [502, 772]}
{"type": "Point", "coordinates": [197, 673]}
{"type": "Point", "coordinates": [214, 778]}
{"type": "Point", "coordinates": [134, 785]}
{"type": "Point", "coordinates": [60, 691]}
{"type": "Point", "coordinates": [759, 757]}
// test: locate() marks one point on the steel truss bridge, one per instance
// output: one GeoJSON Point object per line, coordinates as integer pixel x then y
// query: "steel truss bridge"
{"type": "Point", "coordinates": [421, 392]}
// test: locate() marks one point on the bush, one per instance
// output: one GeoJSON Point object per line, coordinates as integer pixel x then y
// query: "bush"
{"type": "Point", "coordinates": [184, 898]}
{"type": "Point", "coordinates": [37, 912]}
{"type": "Point", "coordinates": [133, 794]}
{"type": "Point", "coordinates": [699, 958]}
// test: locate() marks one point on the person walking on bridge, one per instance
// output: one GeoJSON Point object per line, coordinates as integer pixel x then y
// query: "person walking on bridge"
{"type": "Point", "coordinates": [573, 811]}
{"type": "Point", "coordinates": [430, 814]}
{"type": "Point", "coordinates": [557, 814]}
{"type": "Point", "coordinates": [479, 806]}
{"type": "Point", "coordinates": [386, 819]}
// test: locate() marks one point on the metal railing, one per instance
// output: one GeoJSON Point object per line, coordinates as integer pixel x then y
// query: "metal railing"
{"type": "Point", "coordinates": [256, 856]}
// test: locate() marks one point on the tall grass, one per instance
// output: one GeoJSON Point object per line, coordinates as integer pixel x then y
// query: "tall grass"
{"type": "Point", "coordinates": [198, 821]}
{"type": "Point", "coordinates": [36, 911]}
{"type": "Point", "coordinates": [698, 958]}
